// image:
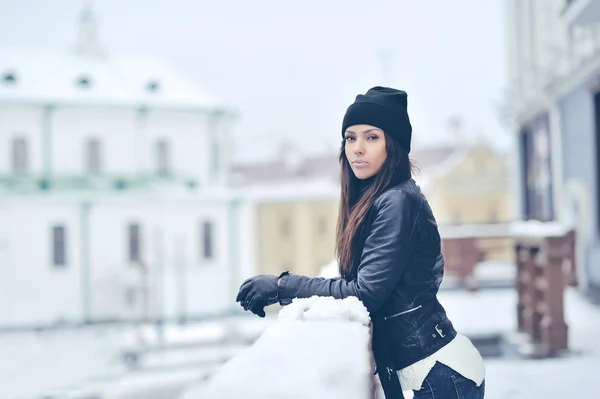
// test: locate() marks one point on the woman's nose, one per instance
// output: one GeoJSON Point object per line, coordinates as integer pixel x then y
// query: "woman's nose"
{"type": "Point", "coordinates": [359, 149]}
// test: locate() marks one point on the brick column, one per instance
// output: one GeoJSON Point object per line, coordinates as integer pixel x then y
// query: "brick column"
{"type": "Point", "coordinates": [553, 328]}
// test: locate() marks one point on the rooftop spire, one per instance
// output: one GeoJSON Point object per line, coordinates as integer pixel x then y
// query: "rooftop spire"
{"type": "Point", "coordinates": [87, 43]}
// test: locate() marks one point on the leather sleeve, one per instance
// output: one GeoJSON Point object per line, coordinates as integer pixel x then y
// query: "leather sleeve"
{"type": "Point", "coordinates": [387, 249]}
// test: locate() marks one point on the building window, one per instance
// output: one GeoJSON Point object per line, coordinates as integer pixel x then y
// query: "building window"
{"type": "Point", "coordinates": [134, 241]}
{"type": "Point", "coordinates": [322, 226]}
{"type": "Point", "coordinates": [286, 227]}
{"type": "Point", "coordinates": [163, 157]}
{"type": "Point", "coordinates": [20, 154]}
{"type": "Point", "coordinates": [207, 240]}
{"type": "Point", "coordinates": [59, 246]}
{"type": "Point", "coordinates": [83, 82]}
{"type": "Point", "coordinates": [130, 297]}
{"type": "Point", "coordinates": [456, 217]}
{"type": "Point", "coordinates": [153, 85]}
{"type": "Point", "coordinates": [493, 216]}
{"type": "Point", "coordinates": [537, 177]}
{"type": "Point", "coordinates": [94, 153]}
{"type": "Point", "coordinates": [9, 77]}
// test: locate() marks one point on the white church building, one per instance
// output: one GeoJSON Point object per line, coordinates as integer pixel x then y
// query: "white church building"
{"type": "Point", "coordinates": [113, 190]}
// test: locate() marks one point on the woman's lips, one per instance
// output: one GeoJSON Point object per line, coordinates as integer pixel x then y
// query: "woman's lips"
{"type": "Point", "coordinates": [360, 164]}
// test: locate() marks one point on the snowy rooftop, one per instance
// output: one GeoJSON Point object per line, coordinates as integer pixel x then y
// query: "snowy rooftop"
{"type": "Point", "coordinates": [293, 166]}
{"type": "Point", "coordinates": [28, 77]}
{"type": "Point", "coordinates": [297, 190]}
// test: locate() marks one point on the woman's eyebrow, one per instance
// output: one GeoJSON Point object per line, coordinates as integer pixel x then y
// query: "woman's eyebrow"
{"type": "Point", "coordinates": [366, 131]}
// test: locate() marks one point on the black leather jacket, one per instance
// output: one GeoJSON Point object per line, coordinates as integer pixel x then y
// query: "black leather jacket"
{"type": "Point", "coordinates": [397, 279]}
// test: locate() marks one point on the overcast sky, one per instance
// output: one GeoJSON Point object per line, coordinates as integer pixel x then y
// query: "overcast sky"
{"type": "Point", "coordinates": [292, 67]}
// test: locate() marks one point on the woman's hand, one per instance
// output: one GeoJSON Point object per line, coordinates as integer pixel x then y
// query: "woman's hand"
{"type": "Point", "coordinates": [258, 292]}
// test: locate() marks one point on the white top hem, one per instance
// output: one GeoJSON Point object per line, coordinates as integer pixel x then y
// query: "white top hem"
{"type": "Point", "coordinates": [460, 355]}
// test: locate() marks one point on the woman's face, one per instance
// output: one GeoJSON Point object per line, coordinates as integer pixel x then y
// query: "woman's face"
{"type": "Point", "coordinates": [365, 149]}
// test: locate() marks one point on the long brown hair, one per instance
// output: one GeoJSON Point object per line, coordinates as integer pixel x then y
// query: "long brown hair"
{"type": "Point", "coordinates": [358, 195]}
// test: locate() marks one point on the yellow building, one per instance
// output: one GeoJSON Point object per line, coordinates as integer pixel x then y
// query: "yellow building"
{"type": "Point", "coordinates": [295, 204]}
{"type": "Point", "coordinates": [296, 235]}
{"type": "Point", "coordinates": [469, 186]}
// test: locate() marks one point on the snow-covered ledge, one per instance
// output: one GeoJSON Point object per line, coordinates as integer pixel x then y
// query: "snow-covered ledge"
{"type": "Point", "coordinates": [515, 229]}
{"type": "Point", "coordinates": [537, 229]}
{"type": "Point", "coordinates": [320, 347]}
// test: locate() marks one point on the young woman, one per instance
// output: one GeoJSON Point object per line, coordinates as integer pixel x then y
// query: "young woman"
{"type": "Point", "coordinates": [388, 248]}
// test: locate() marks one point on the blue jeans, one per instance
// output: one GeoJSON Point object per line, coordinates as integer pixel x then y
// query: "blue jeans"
{"type": "Point", "coordinates": [444, 383]}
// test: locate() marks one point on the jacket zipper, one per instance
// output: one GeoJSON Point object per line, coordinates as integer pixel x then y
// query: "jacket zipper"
{"type": "Point", "coordinates": [404, 312]}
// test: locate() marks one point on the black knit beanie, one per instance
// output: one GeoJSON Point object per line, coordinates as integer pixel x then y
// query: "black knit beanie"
{"type": "Point", "coordinates": [384, 108]}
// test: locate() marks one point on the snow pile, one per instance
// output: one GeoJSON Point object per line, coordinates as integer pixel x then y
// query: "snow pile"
{"type": "Point", "coordinates": [318, 308]}
{"type": "Point", "coordinates": [319, 348]}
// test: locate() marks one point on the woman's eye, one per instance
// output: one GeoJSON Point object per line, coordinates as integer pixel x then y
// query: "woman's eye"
{"type": "Point", "coordinates": [374, 137]}
{"type": "Point", "coordinates": [349, 138]}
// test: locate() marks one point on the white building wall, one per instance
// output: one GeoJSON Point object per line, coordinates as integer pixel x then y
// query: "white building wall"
{"type": "Point", "coordinates": [548, 37]}
{"type": "Point", "coordinates": [188, 137]}
{"type": "Point", "coordinates": [580, 175]}
{"type": "Point", "coordinates": [248, 241]}
{"type": "Point", "coordinates": [180, 282]}
{"type": "Point", "coordinates": [25, 121]}
{"type": "Point", "coordinates": [5, 268]}
{"type": "Point", "coordinates": [199, 142]}
{"type": "Point", "coordinates": [35, 291]}
{"type": "Point", "coordinates": [115, 128]}
{"type": "Point", "coordinates": [98, 279]}
{"type": "Point", "coordinates": [110, 272]}
{"type": "Point", "coordinates": [222, 148]}
{"type": "Point", "coordinates": [541, 47]}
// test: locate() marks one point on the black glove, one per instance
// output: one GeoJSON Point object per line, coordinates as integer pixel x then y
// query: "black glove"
{"type": "Point", "coordinates": [258, 292]}
{"type": "Point", "coordinates": [259, 309]}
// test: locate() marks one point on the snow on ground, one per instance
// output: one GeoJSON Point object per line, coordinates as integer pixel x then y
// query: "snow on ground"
{"type": "Point", "coordinates": [149, 385]}
{"type": "Point", "coordinates": [33, 362]}
{"type": "Point", "coordinates": [574, 375]}
{"type": "Point", "coordinates": [481, 312]}
{"type": "Point", "coordinates": [36, 363]}
{"type": "Point", "coordinates": [495, 272]}
{"type": "Point", "coordinates": [318, 349]}
{"type": "Point", "coordinates": [548, 379]}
